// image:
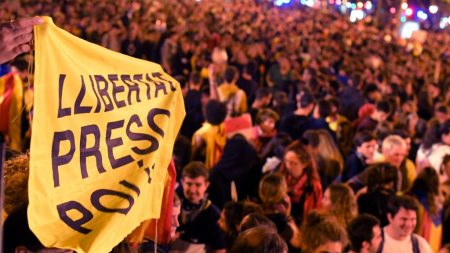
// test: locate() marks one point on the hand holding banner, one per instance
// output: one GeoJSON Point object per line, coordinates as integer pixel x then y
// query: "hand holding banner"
{"type": "Point", "coordinates": [103, 133]}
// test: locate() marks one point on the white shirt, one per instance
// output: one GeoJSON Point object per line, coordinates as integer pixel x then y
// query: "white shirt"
{"type": "Point", "coordinates": [434, 156]}
{"type": "Point", "coordinates": [405, 246]}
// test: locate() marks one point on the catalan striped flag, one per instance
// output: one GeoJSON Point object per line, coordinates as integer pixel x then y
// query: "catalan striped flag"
{"type": "Point", "coordinates": [11, 103]}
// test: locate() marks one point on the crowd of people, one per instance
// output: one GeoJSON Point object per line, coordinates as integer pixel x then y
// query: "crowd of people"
{"type": "Point", "coordinates": [349, 144]}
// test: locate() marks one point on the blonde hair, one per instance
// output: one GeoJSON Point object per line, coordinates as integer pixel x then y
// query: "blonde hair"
{"type": "Point", "coordinates": [323, 145]}
{"type": "Point", "coordinates": [344, 206]}
{"type": "Point", "coordinates": [327, 148]}
{"type": "Point", "coordinates": [391, 141]}
{"type": "Point", "coordinates": [272, 188]}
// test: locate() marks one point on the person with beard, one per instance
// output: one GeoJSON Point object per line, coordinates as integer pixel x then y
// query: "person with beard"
{"type": "Point", "coordinates": [364, 233]}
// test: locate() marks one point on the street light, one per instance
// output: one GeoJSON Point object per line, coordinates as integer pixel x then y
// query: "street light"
{"type": "Point", "coordinates": [433, 9]}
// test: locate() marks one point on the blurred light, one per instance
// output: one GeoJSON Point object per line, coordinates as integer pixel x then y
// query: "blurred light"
{"type": "Point", "coordinates": [309, 3]}
{"type": "Point", "coordinates": [360, 5]}
{"type": "Point", "coordinates": [356, 15]}
{"type": "Point", "coordinates": [338, 2]}
{"type": "Point", "coordinates": [392, 10]}
{"type": "Point", "coordinates": [369, 5]}
{"type": "Point", "coordinates": [331, 1]}
{"type": "Point", "coordinates": [433, 9]}
{"type": "Point", "coordinates": [278, 2]}
{"type": "Point", "coordinates": [422, 15]}
{"type": "Point", "coordinates": [349, 5]}
{"type": "Point", "coordinates": [408, 28]}
{"type": "Point", "coordinates": [444, 22]}
{"type": "Point", "coordinates": [404, 6]}
{"type": "Point", "coordinates": [286, 1]}
{"type": "Point", "coordinates": [403, 19]}
{"type": "Point", "coordinates": [353, 6]}
{"type": "Point", "coordinates": [408, 12]}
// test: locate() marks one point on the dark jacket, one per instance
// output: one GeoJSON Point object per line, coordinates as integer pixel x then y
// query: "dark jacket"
{"type": "Point", "coordinates": [239, 163]}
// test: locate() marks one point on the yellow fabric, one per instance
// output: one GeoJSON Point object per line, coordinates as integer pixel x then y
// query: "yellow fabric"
{"type": "Point", "coordinates": [334, 125]}
{"type": "Point", "coordinates": [4, 216]}
{"type": "Point", "coordinates": [103, 134]}
{"type": "Point", "coordinates": [411, 172]}
{"type": "Point", "coordinates": [214, 137]}
{"type": "Point", "coordinates": [231, 93]}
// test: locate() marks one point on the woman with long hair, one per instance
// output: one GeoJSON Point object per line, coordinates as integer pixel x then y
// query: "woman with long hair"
{"type": "Point", "coordinates": [325, 155]}
{"type": "Point", "coordinates": [435, 145]}
{"type": "Point", "coordinates": [276, 203]}
{"type": "Point", "coordinates": [425, 189]}
{"type": "Point", "coordinates": [340, 201]}
{"type": "Point", "coordinates": [303, 183]}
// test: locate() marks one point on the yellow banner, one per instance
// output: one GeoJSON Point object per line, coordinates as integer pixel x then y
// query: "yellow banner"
{"type": "Point", "coordinates": [103, 133]}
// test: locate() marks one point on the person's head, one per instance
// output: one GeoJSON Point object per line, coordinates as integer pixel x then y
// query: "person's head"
{"type": "Point", "coordinates": [322, 109]}
{"type": "Point", "coordinates": [402, 215]}
{"type": "Point", "coordinates": [18, 236]}
{"type": "Point", "coordinates": [280, 98]}
{"type": "Point", "coordinates": [272, 188]}
{"type": "Point", "coordinates": [284, 64]}
{"type": "Point", "coordinates": [215, 112]}
{"type": "Point", "coordinates": [445, 166]}
{"type": "Point", "coordinates": [266, 119]}
{"type": "Point", "coordinates": [372, 92]}
{"type": "Point", "coordinates": [327, 148]}
{"type": "Point", "coordinates": [364, 233]}
{"type": "Point", "coordinates": [406, 137]}
{"type": "Point", "coordinates": [433, 89]}
{"type": "Point", "coordinates": [445, 132]}
{"type": "Point", "coordinates": [432, 134]}
{"type": "Point", "coordinates": [233, 213]}
{"type": "Point", "coordinates": [441, 112]}
{"type": "Point", "coordinates": [335, 106]}
{"type": "Point", "coordinates": [426, 185]}
{"type": "Point", "coordinates": [365, 143]}
{"type": "Point", "coordinates": [259, 240]}
{"type": "Point", "coordinates": [231, 74]}
{"type": "Point", "coordinates": [195, 80]}
{"type": "Point", "coordinates": [20, 67]}
{"type": "Point", "coordinates": [263, 95]}
{"type": "Point", "coordinates": [381, 176]}
{"type": "Point", "coordinates": [306, 101]}
{"type": "Point", "coordinates": [176, 210]}
{"type": "Point", "coordinates": [382, 111]}
{"type": "Point", "coordinates": [297, 160]}
{"type": "Point", "coordinates": [340, 201]}
{"type": "Point", "coordinates": [255, 220]}
{"type": "Point", "coordinates": [394, 150]}
{"type": "Point", "coordinates": [322, 233]}
{"type": "Point", "coordinates": [16, 182]}
{"type": "Point", "coordinates": [195, 182]}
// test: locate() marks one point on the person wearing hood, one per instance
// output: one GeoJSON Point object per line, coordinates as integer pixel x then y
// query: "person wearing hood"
{"type": "Point", "coordinates": [237, 173]}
